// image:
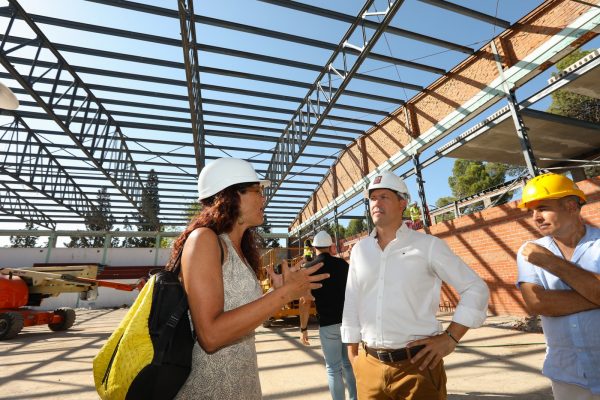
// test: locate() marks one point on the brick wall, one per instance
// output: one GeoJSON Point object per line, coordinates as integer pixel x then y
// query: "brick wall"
{"type": "Point", "coordinates": [488, 242]}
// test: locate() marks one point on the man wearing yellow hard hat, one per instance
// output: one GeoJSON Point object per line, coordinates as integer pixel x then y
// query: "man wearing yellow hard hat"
{"type": "Point", "coordinates": [559, 278]}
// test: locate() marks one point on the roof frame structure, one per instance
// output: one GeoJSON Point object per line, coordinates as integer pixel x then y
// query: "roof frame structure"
{"type": "Point", "coordinates": [109, 154]}
{"type": "Point", "coordinates": [227, 113]}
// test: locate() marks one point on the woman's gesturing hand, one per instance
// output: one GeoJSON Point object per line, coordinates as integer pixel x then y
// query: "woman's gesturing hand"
{"type": "Point", "coordinates": [299, 281]}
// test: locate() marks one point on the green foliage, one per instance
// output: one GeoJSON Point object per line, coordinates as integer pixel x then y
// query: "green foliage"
{"type": "Point", "coordinates": [99, 219]}
{"type": "Point", "coordinates": [355, 226]}
{"type": "Point", "coordinates": [266, 243]}
{"type": "Point", "coordinates": [193, 208]}
{"type": "Point", "coordinates": [470, 177]}
{"type": "Point", "coordinates": [331, 227]}
{"type": "Point", "coordinates": [148, 219]}
{"type": "Point", "coordinates": [25, 241]}
{"type": "Point", "coordinates": [128, 241]}
{"type": "Point", "coordinates": [444, 201]}
{"type": "Point", "coordinates": [575, 105]}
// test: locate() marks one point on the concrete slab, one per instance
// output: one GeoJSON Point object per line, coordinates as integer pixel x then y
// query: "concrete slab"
{"type": "Point", "coordinates": [552, 137]}
{"type": "Point", "coordinates": [492, 362]}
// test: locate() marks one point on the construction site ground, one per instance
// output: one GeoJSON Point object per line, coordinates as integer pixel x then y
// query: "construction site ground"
{"type": "Point", "coordinates": [493, 362]}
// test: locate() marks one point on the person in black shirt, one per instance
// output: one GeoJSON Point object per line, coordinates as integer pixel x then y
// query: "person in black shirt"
{"type": "Point", "coordinates": [329, 301]}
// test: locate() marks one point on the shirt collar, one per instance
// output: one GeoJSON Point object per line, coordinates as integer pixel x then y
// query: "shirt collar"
{"type": "Point", "coordinates": [403, 230]}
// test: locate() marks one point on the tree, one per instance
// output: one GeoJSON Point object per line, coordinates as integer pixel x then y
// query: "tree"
{"type": "Point", "coordinates": [25, 241]}
{"type": "Point", "coordinates": [444, 201]}
{"type": "Point", "coordinates": [266, 243]}
{"type": "Point", "coordinates": [331, 228]}
{"type": "Point", "coordinates": [128, 241]}
{"type": "Point", "coordinates": [98, 219]}
{"type": "Point", "coordinates": [148, 218]}
{"type": "Point", "coordinates": [355, 226]}
{"type": "Point", "coordinates": [193, 208]}
{"type": "Point", "coordinates": [575, 105]}
{"type": "Point", "coordinates": [470, 177]}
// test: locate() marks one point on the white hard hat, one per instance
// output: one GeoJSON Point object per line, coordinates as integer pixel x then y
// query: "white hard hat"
{"type": "Point", "coordinates": [225, 172]}
{"type": "Point", "coordinates": [322, 239]}
{"type": "Point", "coordinates": [391, 181]}
{"type": "Point", "coordinates": [8, 100]}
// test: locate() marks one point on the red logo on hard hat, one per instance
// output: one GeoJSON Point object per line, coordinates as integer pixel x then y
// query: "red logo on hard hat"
{"type": "Point", "coordinates": [377, 179]}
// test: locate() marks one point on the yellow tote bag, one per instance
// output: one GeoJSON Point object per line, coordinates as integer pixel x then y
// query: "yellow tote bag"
{"type": "Point", "coordinates": [128, 350]}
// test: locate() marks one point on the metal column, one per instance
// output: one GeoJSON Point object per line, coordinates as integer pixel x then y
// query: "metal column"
{"type": "Point", "coordinates": [335, 229]}
{"type": "Point", "coordinates": [421, 190]}
{"type": "Point", "coordinates": [517, 120]}
{"type": "Point", "coordinates": [368, 215]}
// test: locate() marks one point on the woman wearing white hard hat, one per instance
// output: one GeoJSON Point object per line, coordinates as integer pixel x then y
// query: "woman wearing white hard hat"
{"type": "Point", "coordinates": [219, 267]}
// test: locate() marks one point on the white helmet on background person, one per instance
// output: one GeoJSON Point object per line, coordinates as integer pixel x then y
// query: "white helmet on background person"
{"type": "Point", "coordinates": [391, 181]}
{"type": "Point", "coordinates": [322, 239]}
{"type": "Point", "coordinates": [225, 172]}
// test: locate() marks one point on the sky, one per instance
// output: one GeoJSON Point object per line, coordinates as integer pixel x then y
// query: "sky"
{"type": "Point", "coordinates": [412, 16]}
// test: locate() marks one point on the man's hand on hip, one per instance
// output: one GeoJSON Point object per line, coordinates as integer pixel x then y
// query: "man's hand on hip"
{"type": "Point", "coordinates": [436, 348]}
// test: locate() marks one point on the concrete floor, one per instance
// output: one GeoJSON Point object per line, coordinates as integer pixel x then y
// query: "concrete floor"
{"type": "Point", "coordinates": [492, 362]}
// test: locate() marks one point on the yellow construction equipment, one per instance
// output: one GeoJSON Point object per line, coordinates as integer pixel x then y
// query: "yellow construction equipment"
{"type": "Point", "coordinates": [272, 258]}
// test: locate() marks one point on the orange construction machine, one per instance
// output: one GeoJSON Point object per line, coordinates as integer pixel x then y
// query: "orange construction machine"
{"type": "Point", "coordinates": [21, 287]}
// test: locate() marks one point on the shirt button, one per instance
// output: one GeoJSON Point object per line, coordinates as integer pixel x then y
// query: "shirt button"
{"type": "Point", "coordinates": [574, 325]}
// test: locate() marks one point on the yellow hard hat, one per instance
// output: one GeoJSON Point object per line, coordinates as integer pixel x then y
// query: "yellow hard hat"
{"type": "Point", "coordinates": [549, 186]}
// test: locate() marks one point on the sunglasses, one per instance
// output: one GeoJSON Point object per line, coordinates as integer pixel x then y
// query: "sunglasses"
{"type": "Point", "coordinates": [254, 189]}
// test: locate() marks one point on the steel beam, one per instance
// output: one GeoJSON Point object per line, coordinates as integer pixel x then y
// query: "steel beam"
{"type": "Point", "coordinates": [300, 130]}
{"type": "Point", "coordinates": [446, 5]}
{"type": "Point", "coordinates": [577, 31]}
{"type": "Point", "coordinates": [13, 204]}
{"type": "Point", "coordinates": [27, 160]}
{"type": "Point", "coordinates": [192, 73]}
{"type": "Point", "coordinates": [176, 129]}
{"type": "Point", "coordinates": [421, 190]}
{"type": "Point", "coordinates": [223, 89]}
{"type": "Point", "coordinates": [520, 127]}
{"type": "Point", "coordinates": [108, 151]}
{"type": "Point", "coordinates": [338, 16]}
{"type": "Point", "coordinates": [259, 31]}
{"type": "Point", "coordinates": [220, 71]}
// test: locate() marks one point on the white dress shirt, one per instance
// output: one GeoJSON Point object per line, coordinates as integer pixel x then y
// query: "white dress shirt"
{"type": "Point", "coordinates": [392, 295]}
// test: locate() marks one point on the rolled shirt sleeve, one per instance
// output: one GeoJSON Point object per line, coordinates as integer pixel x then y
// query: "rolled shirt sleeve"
{"type": "Point", "coordinates": [471, 310]}
{"type": "Point", "coordinates": [527, 272]}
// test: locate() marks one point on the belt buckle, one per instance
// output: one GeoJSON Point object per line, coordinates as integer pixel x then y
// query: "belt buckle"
{"type": "Point", "coordinates": [385, 356]}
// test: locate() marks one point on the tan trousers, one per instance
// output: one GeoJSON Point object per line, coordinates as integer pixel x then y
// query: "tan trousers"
{"type": "Point", "coordinates": [376, 380]}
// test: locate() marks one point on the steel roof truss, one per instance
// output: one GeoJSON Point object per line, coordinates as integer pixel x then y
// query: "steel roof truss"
{"type": "Point", "coordinates": [36, 167]}
{"type": "Point", "coordinates": [109, 151]}
{"type": "Point", "coordinates": [13, 204]}
{"type": "Point", "coordinates": [301, 129]}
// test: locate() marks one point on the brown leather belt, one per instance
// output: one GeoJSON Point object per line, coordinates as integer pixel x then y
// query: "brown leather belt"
{"type": "Point", "coordinates": [395, 355]}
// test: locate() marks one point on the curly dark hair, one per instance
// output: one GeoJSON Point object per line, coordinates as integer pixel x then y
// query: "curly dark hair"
{"type": "Point", "coordinates": [219, 213]}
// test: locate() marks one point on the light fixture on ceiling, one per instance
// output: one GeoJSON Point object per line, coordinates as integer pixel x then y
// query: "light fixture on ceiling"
{"type": "Point", "coordinates": [8, 100]}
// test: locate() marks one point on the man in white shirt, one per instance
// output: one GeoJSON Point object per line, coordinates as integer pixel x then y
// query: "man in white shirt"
{"type": "Point", "coordinates": [396, 344]}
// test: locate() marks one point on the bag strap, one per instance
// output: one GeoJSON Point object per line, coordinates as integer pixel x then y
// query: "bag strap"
{"type": "Point", "coordinates": [178, 312]}
{"type": "Point", "coordinates": [177, 268]}
{"type": "Point", "coordinates": [166, 334]}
